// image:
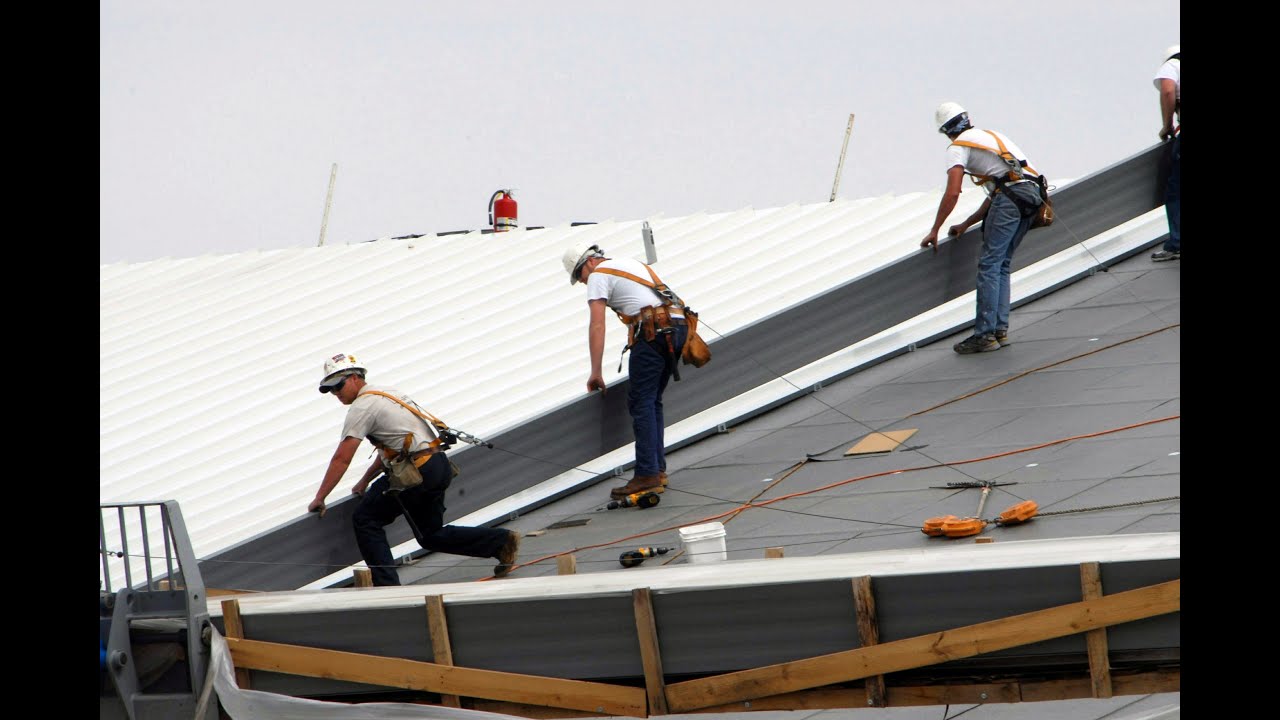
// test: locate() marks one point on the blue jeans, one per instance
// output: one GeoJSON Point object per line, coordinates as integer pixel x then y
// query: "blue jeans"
{"type": "Point", "coordinates": [1002, 231]}
{"type": "Point", "coordinates": [650, 368]}
{"type": "Point", "coordinates": [1173, 198]}
{"type": "Point", "coordinates": [424, 509]}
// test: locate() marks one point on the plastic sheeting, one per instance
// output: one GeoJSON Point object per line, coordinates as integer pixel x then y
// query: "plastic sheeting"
{"type": "Point", "coordinates": [257, 705]}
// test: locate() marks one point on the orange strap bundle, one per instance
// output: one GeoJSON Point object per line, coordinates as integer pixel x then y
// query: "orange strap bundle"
{"type": "Point", "coordinates": [1019, 513]}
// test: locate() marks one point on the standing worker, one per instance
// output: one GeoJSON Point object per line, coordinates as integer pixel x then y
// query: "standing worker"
{"type": "Point", "coordinates": [384, 416]}
{"type": "Point", "coordinates": [1013, 197]}
{"type": "Point", "coordinates": [1168, 82]}
{"type": "Point", "coordinates": [656, 336]}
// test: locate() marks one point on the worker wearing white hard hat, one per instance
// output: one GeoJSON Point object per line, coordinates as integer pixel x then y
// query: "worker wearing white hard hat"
{"type": "Point", "coordinates": [625, 285]}
{"type": "Point", "coordinates": [1168, 82]}
{"type": "Point", "coordinates": [395, 424]}
{"type": "Point", "coordinates": [1001, 168]}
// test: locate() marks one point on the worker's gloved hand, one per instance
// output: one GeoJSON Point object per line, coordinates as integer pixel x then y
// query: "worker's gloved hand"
{"type": "Point", "coordinates": [316, 506]}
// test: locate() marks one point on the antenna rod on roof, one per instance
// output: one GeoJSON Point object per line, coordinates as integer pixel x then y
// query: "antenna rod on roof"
{"type": "Point", "coordinates": [840, 166]}
{"type": "Point", "coordinates": [333, 175]}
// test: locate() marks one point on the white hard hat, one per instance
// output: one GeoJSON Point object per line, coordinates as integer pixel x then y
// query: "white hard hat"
{"type": "Point", "coordinates": [575, 256]}
{"type": "Point", "coordinates": [338, 367]}
{"type": "Point", "coordinates": [946, 113]}
{"type": "Point", "coordinates": [1171, 51]}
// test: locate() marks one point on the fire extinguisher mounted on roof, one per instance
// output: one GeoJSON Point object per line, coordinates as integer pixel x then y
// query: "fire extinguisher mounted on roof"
{"type": "Point", "coordinates": [502, 211]}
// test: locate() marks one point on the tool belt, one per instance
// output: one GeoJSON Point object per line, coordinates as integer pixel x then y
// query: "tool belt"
{"type": "Point", "coordinates": [649, 323]}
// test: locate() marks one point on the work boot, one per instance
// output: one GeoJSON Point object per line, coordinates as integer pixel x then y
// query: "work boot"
{"type": "Point", "coordinates": [507, 555]}
{"type": "Point", "coordinates": [976, 344]}
{"type": "Point", "coordinates": [638, 483]}
{"type": "Point", "coordinates": [663, 477]}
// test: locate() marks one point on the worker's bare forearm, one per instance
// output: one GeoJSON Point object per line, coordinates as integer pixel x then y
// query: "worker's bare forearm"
{"type": "Point", "coordinates": [945, 206]}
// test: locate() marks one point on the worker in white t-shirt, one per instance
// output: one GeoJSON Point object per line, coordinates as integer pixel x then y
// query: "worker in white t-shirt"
{"type": "Point", "coordinates": [657, 333]}
{"type": "Point", "coordinates": [1168, 83]}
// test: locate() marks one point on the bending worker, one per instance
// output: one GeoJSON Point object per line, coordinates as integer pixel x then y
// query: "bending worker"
{"type": "Point", "coordinates": [392, 421]}
{"type": "Point", "coordinates": [1013, 197]}
{"type": "Point", "coordinates": [656, 332]}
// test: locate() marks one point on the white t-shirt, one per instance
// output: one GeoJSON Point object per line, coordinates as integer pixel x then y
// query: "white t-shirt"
{"type": "Point", "coordinates": [982, 162]}
{"type": "Point", "coordinates": [385, 421]}
{"type": "Point", "coordinates": [1171, 70]}
{"type": "Point", "coordinates": [620, 294]}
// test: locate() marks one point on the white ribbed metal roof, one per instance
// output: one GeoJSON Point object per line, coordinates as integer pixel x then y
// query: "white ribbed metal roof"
{"type": "Point", "coordinates": [209, 365]}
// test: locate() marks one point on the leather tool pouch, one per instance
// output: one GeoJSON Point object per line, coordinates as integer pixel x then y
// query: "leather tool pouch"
{"type": "Point", "coordinates": [695, 352]}
{"type": "Point", "coordinates": [402, 473]}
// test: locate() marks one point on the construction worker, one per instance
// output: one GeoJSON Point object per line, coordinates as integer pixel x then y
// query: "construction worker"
{"type": "Point", "coordinates": [652, 362]}
{"type": "Point", "coordinates": [1168, 82]}
{"type": "Point", "coordinates": [392, 421]}
{"type": "Point", "coordinates": [1013, 197]}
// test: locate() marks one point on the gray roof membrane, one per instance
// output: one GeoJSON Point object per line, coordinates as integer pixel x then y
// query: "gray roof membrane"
{"type": "Point", "coordinates": [1056, 417]}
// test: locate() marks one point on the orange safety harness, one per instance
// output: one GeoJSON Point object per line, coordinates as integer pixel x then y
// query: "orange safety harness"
{"type": "Point", "coordinates": [433, 447]}
{"type": "Point", "coordinates": [1018, 169]}
{"type": "Point", "coordinates": [656, 319]}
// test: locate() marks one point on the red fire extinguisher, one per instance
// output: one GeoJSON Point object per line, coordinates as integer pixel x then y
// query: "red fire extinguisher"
{"type": "Point", "coordinates": [502, 211]}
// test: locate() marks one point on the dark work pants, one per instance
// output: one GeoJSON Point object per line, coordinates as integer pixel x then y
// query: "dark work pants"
{"type": "Point", "coordinates": [379, 508]}
{"type": "Point", "coordinates": [650, 368]}
{"type": "Point", "coordinates": [1173, 198]}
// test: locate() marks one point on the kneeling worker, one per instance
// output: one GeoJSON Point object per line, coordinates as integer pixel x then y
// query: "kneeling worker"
{"type": "Point", "coordinates": [388, 417]}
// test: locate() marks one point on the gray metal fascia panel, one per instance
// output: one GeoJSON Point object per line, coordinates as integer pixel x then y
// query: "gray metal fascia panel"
{"type": "Point", "coordinates": [308, 549]}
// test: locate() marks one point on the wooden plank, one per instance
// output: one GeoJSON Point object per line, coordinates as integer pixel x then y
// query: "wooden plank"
{"type": "Point", "coordinates": [536, 712]}
{"type": "Point", "coordinates": [945, 693]}
{"type": "Point", "coordinates": [441, 649]}
{"type": "Point", "coordinates": [567, 564]}
{"type": "Point", "coordinates": [1099, 662]}
{"type": "Point", "coordinates": [216, 592]}
{"type": "Point", "coordinates": [364, 577]}
{"type": "Point", "coordinates": [927, 649]}
{"type": "Point", "coordinates": [1161, 681]}
{"type": "Point", "coordinates": [878, 442]}
{"type": "Point", "coordinates": [773, 552]}
{"type": "Point", "coordinates": [864, 605]}
{"type": "Point", "coordinates": [650, 654]}
{"type": "Point", "coordinates": [416, 675]}
{"type": "Point", "coordinates": [233, 627]}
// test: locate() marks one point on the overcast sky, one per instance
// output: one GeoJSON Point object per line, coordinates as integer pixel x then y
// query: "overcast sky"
{"type": "Point", "coordinates": [220, 121]}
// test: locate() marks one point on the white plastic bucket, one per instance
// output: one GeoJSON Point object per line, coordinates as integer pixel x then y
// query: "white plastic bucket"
{"type": "Point", "coordinates": [704, 543]}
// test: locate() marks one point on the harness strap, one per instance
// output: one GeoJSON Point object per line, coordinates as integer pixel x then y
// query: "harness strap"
{"type": "Point", "coordinates": [633, 322]}
{"type": "Point", "coordinates": [424, 455]}
{"type": "Point", "coordinates": [1004, 154]}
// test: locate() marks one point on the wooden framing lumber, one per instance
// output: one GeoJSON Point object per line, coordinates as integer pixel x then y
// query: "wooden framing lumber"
{"type": "Point", "coordinates": [1010, 691]}
{"type": "Point", "coordinates": [441, 650]}
{"type": "Point", "coordinates": [1096, 640]}
{"type": "Point", "coordinates": [598, 698]}
{"type": "Point", "coordinates": [928, 649]}
{"type": "Point", "coordinates": [864, 604]}
{"type": "Point", "coordinates": [650, 654]}
{"type": "Point", "coordinates": [363, 577]}
{"type": "Point", "coordinates": [234, 626]}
